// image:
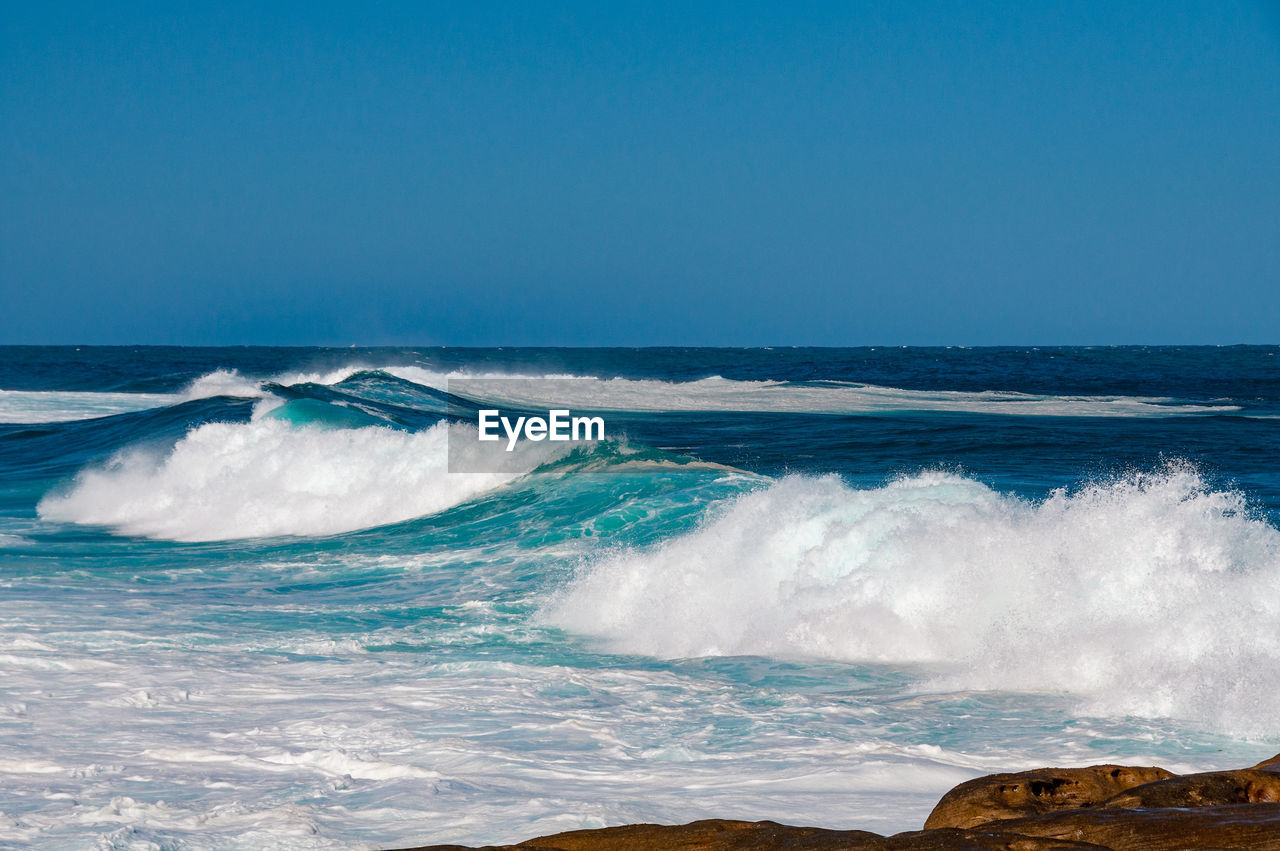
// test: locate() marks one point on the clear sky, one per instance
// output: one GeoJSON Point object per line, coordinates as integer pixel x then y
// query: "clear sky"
{"type": "Point", "coordinates": [640, 174]}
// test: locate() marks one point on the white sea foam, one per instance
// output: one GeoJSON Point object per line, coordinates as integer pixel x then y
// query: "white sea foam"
{"type": "Point", "coordinates": [589, 392]}
{"type": "Point", "coordinates": [276, 736]}
{"type": "Point", "coordinates": [722, 394]}
{"type": "Point", "coordinates": [1152, 595]}
{"type": "Point", "coordinates": [403, 749]}
{"type": "Point", "coordinates": [222, 382]}
{"type": "Point", "coordinates": [54, 406]}
{"type": "Point", "coordinates": [30, 766]}
{"type": "Point", "coordinates": [393, 769]}
{"type": "Point", "coordinates": [268, 477]}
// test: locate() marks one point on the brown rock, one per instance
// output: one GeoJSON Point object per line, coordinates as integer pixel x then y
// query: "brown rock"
{"type": "Point", "coordinates": [993, 839]}
{"type": "Point", "coordinates": [1035, 792]}
{"type": "Point", "coordinates": [709, 834]}
{"type": "Point", "coordinates": [1273, 763]}
{"type": "Point", "coordinates": [1210, 789]}
{"type": "Point", "coordinates": [1248, 827]}
{"type": "Point", "coordinates": [723, 835]}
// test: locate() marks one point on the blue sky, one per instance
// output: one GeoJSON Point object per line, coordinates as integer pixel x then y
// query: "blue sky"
{"type": "Point", "coordinates": [659, 173]}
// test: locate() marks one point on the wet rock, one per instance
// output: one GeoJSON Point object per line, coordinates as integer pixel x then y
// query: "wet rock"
{"type": "Point", "coordinates": [1035, 792]}
{"type": "Point", "coordinates": [1213, 788]}
{"type": "Point", "coordinates": [1248, 827]}
{"type": "Point", "coordinates": [954, 839]}
{"type": "Point", "coordinates": [710, 834]}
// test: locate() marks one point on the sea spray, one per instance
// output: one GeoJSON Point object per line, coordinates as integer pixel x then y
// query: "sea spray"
{"type": "Point", "coordinates": [226, 481]}
{"type": "Point", "coordinates": [1149, 595]}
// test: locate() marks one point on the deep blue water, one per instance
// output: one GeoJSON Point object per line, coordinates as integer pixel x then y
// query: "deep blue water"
{"type": "Point", "coordinates": [243, 601]}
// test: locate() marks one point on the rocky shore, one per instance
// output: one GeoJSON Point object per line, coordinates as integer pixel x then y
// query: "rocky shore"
{"type": "Point", "coordinates": [1123, 808]}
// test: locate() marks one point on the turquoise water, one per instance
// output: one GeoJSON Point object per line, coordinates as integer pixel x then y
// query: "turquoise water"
{"type": "Point", "coordinates": [244, 603]}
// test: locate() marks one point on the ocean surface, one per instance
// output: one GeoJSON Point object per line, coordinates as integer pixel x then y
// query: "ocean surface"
{"type": "Point", "coordinates": [244, 603]}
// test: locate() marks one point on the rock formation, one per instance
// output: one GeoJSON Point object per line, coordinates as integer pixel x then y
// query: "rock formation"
{"type": "Point", "coordinates": [1035, 792]}
{"type": "Point", "coordinates": [1116, 807]}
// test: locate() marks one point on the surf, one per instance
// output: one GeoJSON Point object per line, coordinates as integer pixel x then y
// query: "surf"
{"type": "Point", "coordinates": [1150, 594]}
{"type": "Point", "coordinates": [540, 389]}
{"type": "Point", "coordinates": [272, 477]}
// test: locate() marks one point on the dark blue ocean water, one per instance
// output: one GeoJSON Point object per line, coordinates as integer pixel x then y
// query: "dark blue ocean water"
{"type": "Point", "coordinates": [245, 603]}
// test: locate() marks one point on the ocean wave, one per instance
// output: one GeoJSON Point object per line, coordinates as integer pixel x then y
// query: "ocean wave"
{"type": "Point", "coordinates": [1150, 595]}
{"type": "Point", "coordinates": [269, 477]}
{"type": "Point", "coordinates": [585, 392]}
{"type": "Point", "coordinates": [827, 397]}
{"type": "Point", "coordinates": [56, 406]}
{"type": "Point", "coordinates": [222, 382]}
{"type": "Point", "coordinates": [715, 393]}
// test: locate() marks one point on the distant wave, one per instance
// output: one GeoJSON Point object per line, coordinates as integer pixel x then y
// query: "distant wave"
{"type": "Point", "coordinates": [827, 397]}
{"type": "Point", "coordinates": [618, 394]}
{"type": "Point", "coordinates": [270, 477]}
{"type": "Point", "coordinates": [1151, 595]}
{"type": "Point", "coordinates": [54, 406]}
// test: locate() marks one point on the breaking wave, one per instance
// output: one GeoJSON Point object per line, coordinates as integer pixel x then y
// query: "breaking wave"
{"type": "Point", "coordinates": [270, 477]}
{"type": "Point", "coordinates": [618, 394]}
{"type": "Point", "coordinates": [1149, 595]}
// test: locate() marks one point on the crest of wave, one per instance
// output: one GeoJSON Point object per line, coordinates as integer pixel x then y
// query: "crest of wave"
{"type": "Point", "coordinates": [269, 477]}
{"type": "Point", "coordinates": [1148, 595]}
{"type": "Point", "coordinates": [222, 382]}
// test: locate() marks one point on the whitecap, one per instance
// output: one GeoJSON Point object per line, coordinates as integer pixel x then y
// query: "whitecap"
{"type": "Point", "coordinates": [1151, 595]}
